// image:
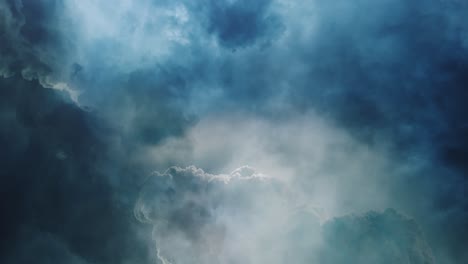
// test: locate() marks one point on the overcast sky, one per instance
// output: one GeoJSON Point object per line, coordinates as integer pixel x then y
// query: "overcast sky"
{"type": "Point", "coordinates": [233, 131]}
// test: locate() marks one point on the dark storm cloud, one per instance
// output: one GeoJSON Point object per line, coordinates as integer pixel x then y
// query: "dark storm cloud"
{"type": "Point", "coordinates": [30, 44]}
{"type": "Point", "coordinates": [397, 75]}
{"type": "Point", "coordinates": [58, 200]}
{"type": "Point", "coordinates": [16, 52]}
{"type": "Point", "coordinates": [148, 105]}
{"type": "Point", "coordinates": [40, 247]}
{"type": "Point", "coordinates": [242, 23]}
{"type": "Point", "coordinates": [389, 67]}
{"type": "Point", "coordinates": [391, 73]}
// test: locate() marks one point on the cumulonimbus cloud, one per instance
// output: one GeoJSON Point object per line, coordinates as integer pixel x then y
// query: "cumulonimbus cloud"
{"type": "Point", "coordinates": [248, 217]}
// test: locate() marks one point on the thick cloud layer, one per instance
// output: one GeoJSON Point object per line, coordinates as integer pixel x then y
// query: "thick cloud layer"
{"type": "Point", "coordinates": [60, 199]}
{"type": "Point", "coordinates": [247, 217]}
{"type": "Point", "coordinates": [355, 106]}
{"type": "Point", "coordinates": [194, 212]}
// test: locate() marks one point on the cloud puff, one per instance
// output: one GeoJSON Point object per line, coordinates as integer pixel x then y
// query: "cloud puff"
{"type": "Point", "coordinates": [323, 162]}
{"type": "Point", "coordinates": [195, 194]}
{"type": "Point", "coordinates": [211, 217]}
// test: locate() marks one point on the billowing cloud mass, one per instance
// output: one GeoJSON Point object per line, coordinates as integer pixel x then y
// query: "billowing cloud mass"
{"type": "Point", "coordinates": [198, 213]}
{"type": "Point", "coordinates": [247, 217]}
{"type": "Point", "coordinates": [326, 112]}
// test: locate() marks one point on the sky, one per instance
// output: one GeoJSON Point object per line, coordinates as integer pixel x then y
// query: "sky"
{"type": "Point", "coordinates": [233, 131]}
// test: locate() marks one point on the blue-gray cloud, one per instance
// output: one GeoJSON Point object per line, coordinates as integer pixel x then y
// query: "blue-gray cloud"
{"type": "Point", "coordinates": [386, 237]}
{"type": "Point", "coordinates": [391, 74]}
{"type": "Point", "coordinates": [218, 218]}
{"type": "Point", "coordinates": [242, 23]}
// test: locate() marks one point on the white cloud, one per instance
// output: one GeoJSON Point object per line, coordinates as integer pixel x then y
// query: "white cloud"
{"type": "Point", "coordinates": [324, 164]}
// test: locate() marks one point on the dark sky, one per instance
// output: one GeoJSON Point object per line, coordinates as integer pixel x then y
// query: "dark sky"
{"type": "Point", "coordinates": [234, 131]}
